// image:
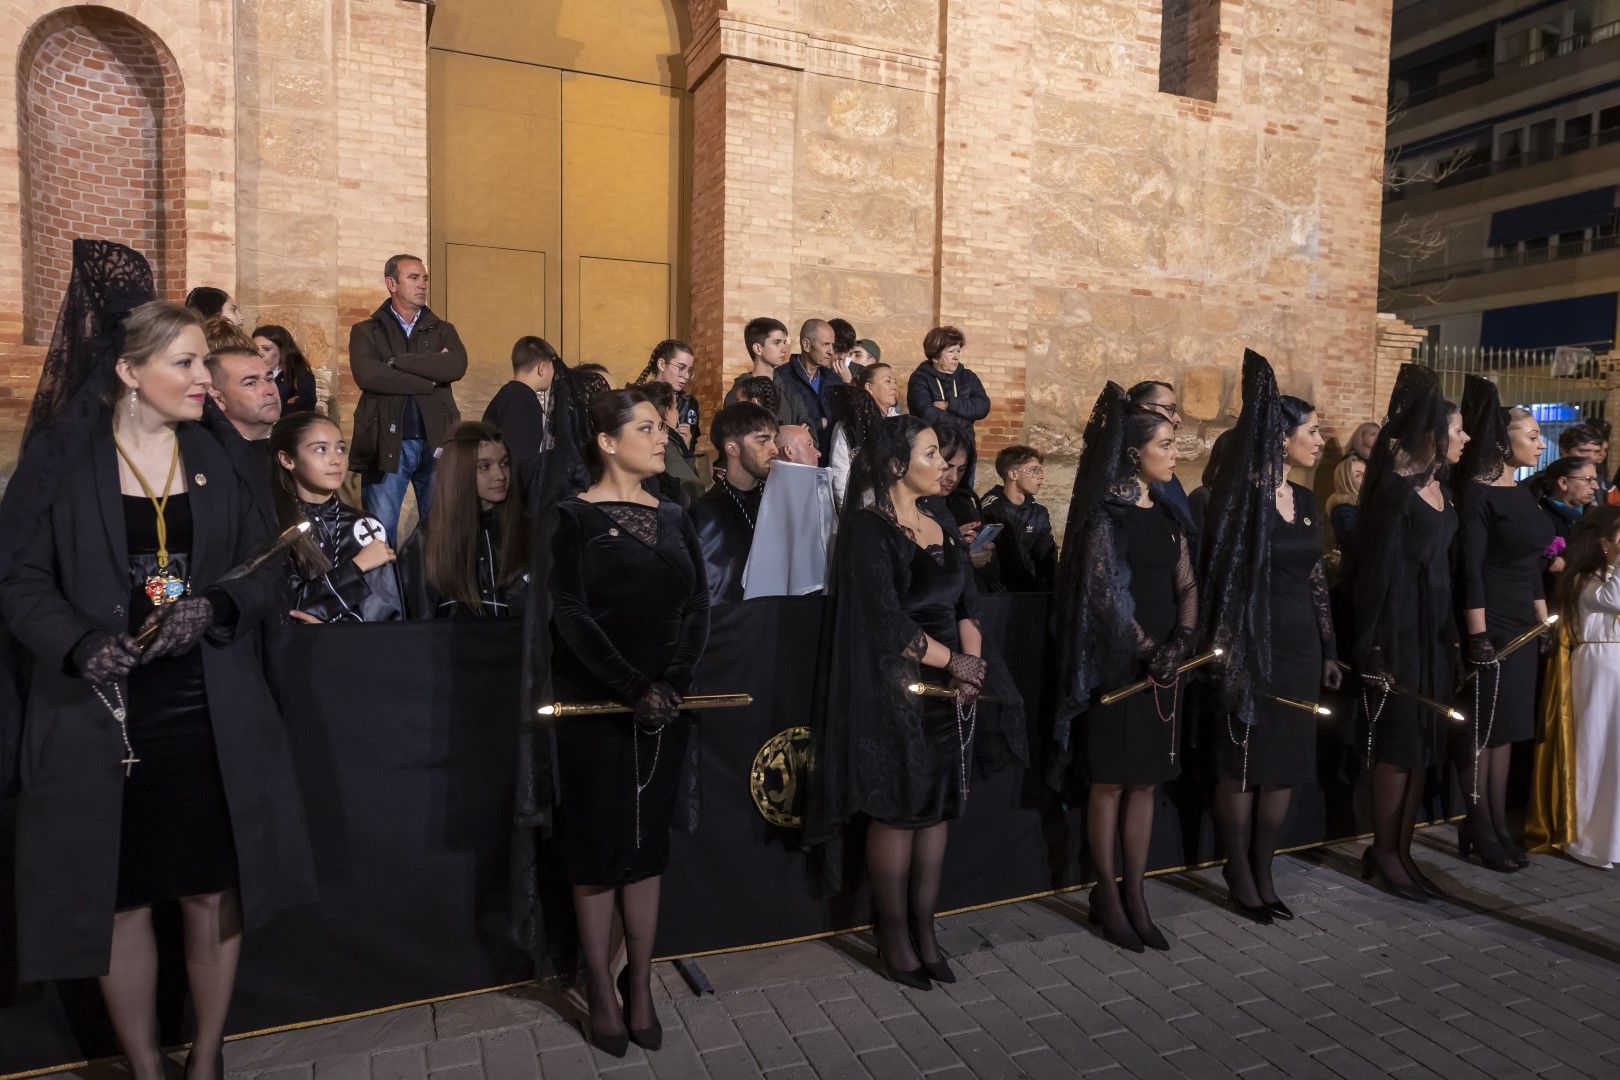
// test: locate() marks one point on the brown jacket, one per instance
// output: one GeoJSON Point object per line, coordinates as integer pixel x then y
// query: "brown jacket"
{"type": "Point", "coordinates": [388, 369]}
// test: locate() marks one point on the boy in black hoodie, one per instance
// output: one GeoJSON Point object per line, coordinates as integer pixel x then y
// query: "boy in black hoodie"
{"type": "Point", "coordinates": [1025, 549]}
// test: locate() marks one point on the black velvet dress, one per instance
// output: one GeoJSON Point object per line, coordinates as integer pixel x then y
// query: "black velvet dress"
{"type": "Point", "coordinates": [1403, 602]}
{"type": "Point", "coordinates": [631, 608]}
{"type": "Point", "coordinates": [175, 832]}
{"type": "Point", "coordinates": [1134, 741]}
{"type": "Point", "coordinates": [1502, 534]}
{"type": "Point", "coordinates": [1280, 749]}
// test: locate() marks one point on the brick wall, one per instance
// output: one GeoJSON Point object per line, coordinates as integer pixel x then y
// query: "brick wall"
{"type": "Point", "coordinates": [102, 152]}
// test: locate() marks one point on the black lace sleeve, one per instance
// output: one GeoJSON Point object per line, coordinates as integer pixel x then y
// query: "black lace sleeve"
{"type": "Point", "coordinates": [1324, 610]}
{"type": "Point", "coordinates": [1186, 592]}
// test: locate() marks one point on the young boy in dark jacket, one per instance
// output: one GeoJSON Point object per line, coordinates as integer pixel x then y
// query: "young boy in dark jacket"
{"type": "Point", "coordinates": [1025, 549]}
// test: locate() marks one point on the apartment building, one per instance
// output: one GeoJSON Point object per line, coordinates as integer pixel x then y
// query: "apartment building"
{"type": "Point", "coordinates": [1499, 219]}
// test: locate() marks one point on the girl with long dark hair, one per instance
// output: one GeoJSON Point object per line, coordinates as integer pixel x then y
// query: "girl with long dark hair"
{"type": "Point", "coordinates": [904, 611]}
{"type": "Point", "coordinates": [1589, 603]}
{"type": "Point", "coordinates": [1266, 604]}
{"type": "Point", "coordinates": [294, 377]}
{"type": "Point", "coordinates": [471, 559]}
{"type": "Point", "coordinates": [1502, 535]}
{"type": "Point", "coordinates": [631, 611]}
{"type": "Point", "coordinates": [1125, 606]}
{"type": "Point", "coordinates": [1406, 632]}
{"type": "Point", "coordinates": [342, 569]}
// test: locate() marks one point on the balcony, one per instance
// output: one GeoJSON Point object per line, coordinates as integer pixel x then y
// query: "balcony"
{"type": "Point", "coordinates": [1482, 170]}
{"type": "Point", "coordinates": [1562, 47]}
{"type": "Point", "coordinates": [1555, 265]}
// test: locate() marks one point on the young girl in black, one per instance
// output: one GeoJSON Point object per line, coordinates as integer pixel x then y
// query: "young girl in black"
{"type": "Point", "coordinates": [342, 570]}
{"type": "Point", "coordinates": [471, 559]}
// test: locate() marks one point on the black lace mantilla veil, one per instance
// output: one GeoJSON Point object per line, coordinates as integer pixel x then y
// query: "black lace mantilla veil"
{"type": "Point", "coordinates": [1237, 609]}
{"type": "Point", "coordinates": [108, 282]}
{"type": "Point", "coordinates": [870, 656]}
{"type": "Point", "coordinates": [1410, 451]}
{"type": "Point", "coordinates": [1485, 455]}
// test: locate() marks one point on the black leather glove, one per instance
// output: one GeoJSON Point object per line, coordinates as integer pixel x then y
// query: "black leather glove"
{"type": "Point", "coordinates": [1547, 643]}
{"type": "Point", "coordinates": [1332, 675]}
{"type": "Point", "coordinates": [1478, 649]}
{"type": "Point", "coordinates": [657, 706]}
{"type": "Point", "coordinates": [110, 659]}
{"type": "Point", "coordinates": [180, 626]}
{"type": "Point", "coordinates": [968, 670]}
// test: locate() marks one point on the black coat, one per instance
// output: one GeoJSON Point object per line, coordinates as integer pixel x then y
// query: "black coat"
{"type": "Point", "coordinates": [725, 535]}
{"type": "Point", "coordinates": [73, 580]}
{"type": "Point", "coordinates": [966, 403]}
{"type": "Point", "coordinates": [345, 593]}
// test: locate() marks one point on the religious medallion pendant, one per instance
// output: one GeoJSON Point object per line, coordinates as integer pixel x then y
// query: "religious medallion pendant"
{"type": "Point", "coordinates": [162, 588]}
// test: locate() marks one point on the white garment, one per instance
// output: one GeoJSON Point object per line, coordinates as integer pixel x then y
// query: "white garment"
{"type": "Point", "coordinates": [838, 467]}
{"type": "Point", "coordinates": [1595, 686]}
{"type": "Point", "coordinates": [793, 536]}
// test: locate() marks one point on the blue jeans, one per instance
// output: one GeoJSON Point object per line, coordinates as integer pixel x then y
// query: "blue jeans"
{"type": "Point", "coordinates": [382, 500]}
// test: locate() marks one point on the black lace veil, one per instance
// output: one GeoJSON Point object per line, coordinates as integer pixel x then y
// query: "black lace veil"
{"type": "Point", "coordinates": [108, 282]}
{"type": "Point", "coordinates": [1237, 610]}
{"type": "Point", "coordinates": [1486, 422]}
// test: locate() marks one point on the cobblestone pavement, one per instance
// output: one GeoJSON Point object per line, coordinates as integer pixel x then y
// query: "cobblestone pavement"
{"type": "Point", "coordinates": [1517, 976]}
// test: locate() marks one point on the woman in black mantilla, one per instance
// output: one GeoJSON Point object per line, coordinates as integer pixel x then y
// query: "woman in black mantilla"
{"type": "Point", "coordinates": [904, 611]}
{"type": "Point", "coordinates": [1406, 631]}
{"type": "Point", "coordinates": [1502, 534]}
{"type": "Point", "coordinates": [1266, 607]}
{"type": "Point", "coordinates": [631, 613]}
{"type": "Point", "coordinates": [1125, 607]}
{"type": "Point", "coordinates": [141, 766]}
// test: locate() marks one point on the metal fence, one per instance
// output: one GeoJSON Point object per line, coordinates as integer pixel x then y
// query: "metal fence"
{"type": "Point", "coordinates": [1561, 386]}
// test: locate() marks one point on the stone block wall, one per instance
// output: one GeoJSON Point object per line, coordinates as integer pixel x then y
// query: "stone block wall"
{"type": "Point", "coordinates": [1015, 169]}
{"type": "Point", "coordinates": [297, 165]}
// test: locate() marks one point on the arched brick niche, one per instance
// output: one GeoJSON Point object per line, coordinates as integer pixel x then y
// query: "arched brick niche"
{"type": "Point", "coordinates": [101, 150]}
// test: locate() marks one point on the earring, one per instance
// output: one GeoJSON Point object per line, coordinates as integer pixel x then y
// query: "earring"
{"type": "Point", "coordinates": [132, 397]}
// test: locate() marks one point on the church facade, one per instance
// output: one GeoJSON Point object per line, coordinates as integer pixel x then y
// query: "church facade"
{"type": "Point", "coordinates": [1090, 189]}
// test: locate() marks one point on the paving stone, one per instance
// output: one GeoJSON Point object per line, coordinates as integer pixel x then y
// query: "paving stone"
{"type": "Point", "coordinates": [1137, 1057]}
{"type": "Point", "coordinates": [449, 1053]}
{"type": "Point", "coordinates": [400, 1065]}
{"type": "Point", "coordinates": [851, 1018]}
{"type": "Point", "coordinates": [1233, 1054]}
{"type": "Point", "coordinates": [886, 999]}
{"type": "Point", "coordinates": [565, 1063]}
{"type": "Point", "coordinates": [830, 1056]}
{"type": "Point", "coordinates": [677, 1059]}
{"type": "Point", "coordinates": [1002, 1025]}
{"type": "Point", "coordinates": [981, 1054]}
{"type": "Point", "coordinates": [797, 1009]}
{"type": "Point", "coordinates": [921, 1042]}
{"type": "Point", "coordinates": [710, 1026]}
{"type": "Point", "coordinates": [886, 1063]}
{"type": "Point", "coordinates": [1042, 1063]}
{"type": "Point", "coordinates": [354, 1067]}
{"type": "Point", "coordinates": [732, 1063]}
{"type": "Point", "coordinates": [467, 1072]}
{"type": "Point", "coordinates": [769, 1040]}
{"type": "Point", "coordinates": [1154, 1029]}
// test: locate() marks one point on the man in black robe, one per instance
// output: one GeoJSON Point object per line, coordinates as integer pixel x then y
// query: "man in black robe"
{"type": "Point", "coordinates": [744, 437]}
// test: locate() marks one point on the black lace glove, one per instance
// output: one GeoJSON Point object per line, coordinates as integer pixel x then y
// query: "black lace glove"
{"type": "Point", "coordinates": [180, 626]}
{"type": "Point", "coordinates": [1332, 676]}
{"type": "Point", "coordinates": [1375, 668]}
{"type": "Point", "coordinates": [113, 658]}
{"type": "Point", "coordinates": [1547, 643]}
{"type": "Point", "coordinates": [1478, 649]}
{"type": "Point", "coordinates": [657, 706]}
{"type": "Point", "coordinates": [1166, 659]}
{"type": "Point", "coordinates": [966, 669]}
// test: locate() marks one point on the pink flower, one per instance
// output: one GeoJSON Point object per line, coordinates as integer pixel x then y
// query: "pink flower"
{"type": "Point", "coordinates": [1556, 548]}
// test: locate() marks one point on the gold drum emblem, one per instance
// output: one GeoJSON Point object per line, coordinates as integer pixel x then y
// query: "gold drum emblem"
{"type": "Point", "coordinates": [775, 779]}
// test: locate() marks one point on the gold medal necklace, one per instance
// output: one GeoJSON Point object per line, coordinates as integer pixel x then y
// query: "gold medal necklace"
{"type": "Point", "coordinates": [162, 587]}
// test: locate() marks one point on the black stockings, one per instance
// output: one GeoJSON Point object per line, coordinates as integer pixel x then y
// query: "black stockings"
{"type": "Point", "coordinates": [1250, 824]}
{"type": "Point", "coordinates": [904, 868]}
{"type": "Point", "coordinates": [1396, 794]}
{"type": "Point", "coordinates": [1121, 813]}
{"type": "Point", "coordinates": [1487, 822]}
{"type": "Point", "coordinates": [213, 942]}
{"type": "Point", "coordinates": [594, 908]}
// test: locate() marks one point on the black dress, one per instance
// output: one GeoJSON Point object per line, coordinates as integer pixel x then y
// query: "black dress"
{"type": "Point", "coordinates": [631, 608]}
{"type": "Point", "coordinates": [175, 832]}
{"type": "Point", "coordinates": [1280, 749]}
{"type": "Point", "coordinates": [1502, 535]}
{"type": "Point", "coordinates": [1134, 741]}
{"type": "Point", "coordinates": [1402, 588]}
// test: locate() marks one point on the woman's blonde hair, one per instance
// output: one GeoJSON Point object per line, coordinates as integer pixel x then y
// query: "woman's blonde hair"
{"type": "Point", "coordinates": [148, 330]}
{"type": "Point", "coordinates": [1346, 484]}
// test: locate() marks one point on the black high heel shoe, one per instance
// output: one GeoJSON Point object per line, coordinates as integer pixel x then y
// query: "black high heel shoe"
{"type": "Point", "coordinates": [1497, 860]}
{"type": "Point", "coordinates": [1370, 868]}
{"type": "Point", "coordinates": [915, 979]}
{"type": "Point", "coordinates": [1125, 937]}
{"type": "Point", "coordinates": [611, 1045]}
{"type": "Point", "coordinates": [1259, 914]}
{"type": "Point", "coordinates": [648, 1038]}
{"type": "Point", "coordinates": [219, 1065]}
{"type": "Point", "coordinates": [937, 970]}
{"type": "Point", "coordinates": [1279, 910]}
{"type": "Point", "coordinates": [1152, 937]}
